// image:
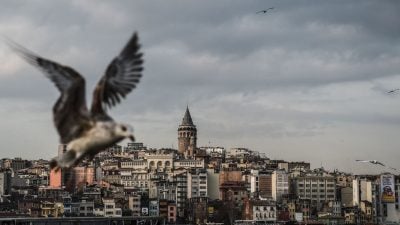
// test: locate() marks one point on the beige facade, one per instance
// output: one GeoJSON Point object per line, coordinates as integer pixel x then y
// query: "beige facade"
{"type": "Point", "coordinates": [159, 161]}
{"type": "Point", "coordinates": [228, 175]}
{"type": "Point", "coordinates": [51, 209]}
{"type": "Point", "coordinates": [319, 189]}
{"type": "Point", "coordinates": [134, 204]}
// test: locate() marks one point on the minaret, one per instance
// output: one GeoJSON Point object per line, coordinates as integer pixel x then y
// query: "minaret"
{"type": "Point", "coordinates": [187, 135]}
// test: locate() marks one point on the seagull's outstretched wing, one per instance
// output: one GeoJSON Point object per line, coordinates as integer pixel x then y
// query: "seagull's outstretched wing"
{"type": "Point", "coordinates": [70, 113]}
{"type": "Point", "coordinates": [265, 10]}
{"type": "Point", "coordinates": [359, 160]}
{"type": "Point", "coordinates": [121, 76]}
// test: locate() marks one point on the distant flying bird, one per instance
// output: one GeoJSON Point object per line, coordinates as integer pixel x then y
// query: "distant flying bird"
{"type": "Point", "coordinates": [371, 161]}
{"type": "Point", "coordinates": [265, 10]}
{"type": "Point", "coordinates": [376, 162]}
{"type": "Point", "coordinates": [393, 91]}
{"type": "Point", "coordinates": [85, 132]}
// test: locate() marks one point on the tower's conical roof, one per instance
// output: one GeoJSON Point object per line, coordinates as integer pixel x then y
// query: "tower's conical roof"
{"type": "Point", "coordinates": [187, 119]}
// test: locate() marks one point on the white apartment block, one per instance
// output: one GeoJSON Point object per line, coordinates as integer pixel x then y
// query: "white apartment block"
{"type": "Point", "coordinates": [197, 183]}
{"type": "Point", "coordinates": [264, 211]}
{"type": "Point", "coordinates": [280, 184]}
{"type": "Point", "coordinates": [238, 153]}
{"type": "Point", "coordinates": [109, 208]}
{"type": "Point", "coordinates": [362, 191]}
{"type": "Point", "coordinates": [214, 151]}
{"type": "Point", "coordinates": [254, 180]}
{"type": "Point", "coordinates": [137, 179]}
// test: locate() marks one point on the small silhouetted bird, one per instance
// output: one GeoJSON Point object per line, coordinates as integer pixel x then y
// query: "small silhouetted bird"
{"type": "Point", "coordinates": [85, 132]}
{"type": "Point", "coordinates": [265, 10]}
{"type": "Point", "coordinates": [393, 91]}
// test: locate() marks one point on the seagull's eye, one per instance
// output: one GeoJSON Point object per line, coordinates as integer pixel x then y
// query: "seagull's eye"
{"type": "Point", "coordinates": [123, 128]}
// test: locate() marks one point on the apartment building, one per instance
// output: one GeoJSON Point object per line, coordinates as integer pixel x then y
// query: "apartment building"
{"type": "Point", "coordinates": [280, 184]}
{"type": "Point", "coordinates": [265, 211]}
{"type": "Point", "coordinates": [110, 210]}
{"type": "Point", "coordinates": [133, 178]}
{"type": "Point", "coordinates": [317, 188]}
{"type": "Point", "coordinates": [197, 183]}
{"type": "Point", "coordinates": [134, 204]}
{"type": "Point", "coordinates": [261, 183]}
{"type": "Point", "coordinates": [159, 161]}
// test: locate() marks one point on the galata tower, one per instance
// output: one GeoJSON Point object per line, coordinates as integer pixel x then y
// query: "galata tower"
{"type": "Point", "coordinates": [187, 136]}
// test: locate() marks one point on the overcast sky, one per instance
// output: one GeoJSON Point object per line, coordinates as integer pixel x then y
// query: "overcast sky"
{"type": "Point", "coordinates": [306, 81]}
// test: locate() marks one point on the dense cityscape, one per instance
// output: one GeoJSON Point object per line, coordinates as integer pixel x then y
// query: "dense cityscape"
{"type": "Point", "coordinates": [195, 185]}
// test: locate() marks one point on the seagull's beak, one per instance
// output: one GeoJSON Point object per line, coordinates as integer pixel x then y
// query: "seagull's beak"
{"type": "Point", "coordinates": [132, 138]}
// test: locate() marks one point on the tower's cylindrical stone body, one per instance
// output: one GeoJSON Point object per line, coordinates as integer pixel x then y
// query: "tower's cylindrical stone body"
{"type": "Point", "coordinates": [187, 135]}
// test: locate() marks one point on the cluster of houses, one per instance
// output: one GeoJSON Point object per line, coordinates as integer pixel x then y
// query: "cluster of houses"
{"type": "Point", "coordinates": [196, 185]}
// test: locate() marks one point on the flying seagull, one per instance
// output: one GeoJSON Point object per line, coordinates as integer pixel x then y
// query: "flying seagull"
{"type": "Point", "coordinates": [85, 132]}
{"type": "Point", "coordinates": [371, 161]}
{"type": "Point", "coordinates": [375, 162]}
{"type": "Point", "coordinates": [265, 10]}
{"type": "Point", "coordinates": [393, 90]}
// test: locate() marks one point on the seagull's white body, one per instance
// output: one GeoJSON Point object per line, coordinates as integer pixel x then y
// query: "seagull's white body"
{"type": "Point", "coordinates": [101, 136]}
{"type": "Point", "coordinates": [85, 132]}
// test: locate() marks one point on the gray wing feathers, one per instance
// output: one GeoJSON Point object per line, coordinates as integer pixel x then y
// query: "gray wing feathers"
{"type": "Point", "coordinates": [70, 113]}
{"type": "Point", "coordinates": [121, 77]}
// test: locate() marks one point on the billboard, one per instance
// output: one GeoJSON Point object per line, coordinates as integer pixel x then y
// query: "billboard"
{"type": "Point", "coordinates": [387, 188]}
